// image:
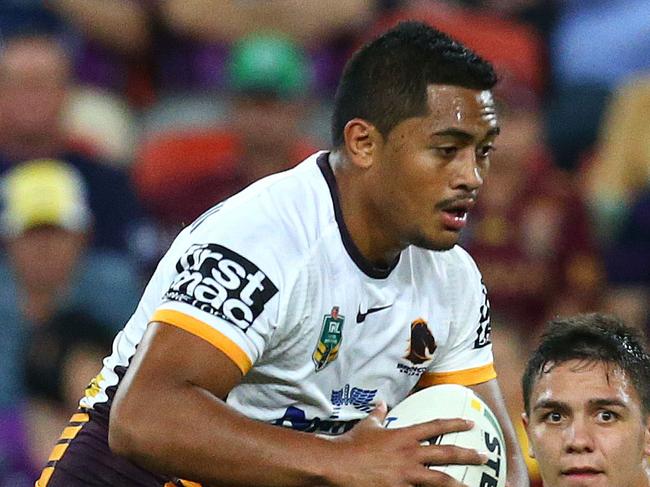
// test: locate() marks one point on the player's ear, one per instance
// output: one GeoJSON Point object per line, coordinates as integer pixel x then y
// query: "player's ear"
{"type": "Point", "coordinates": [524, 419]}
{"type": "Point", "coordinates": [362, 140]}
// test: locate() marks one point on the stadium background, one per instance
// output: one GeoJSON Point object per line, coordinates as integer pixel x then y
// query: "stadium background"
{"type": "Point", "coordinates": [122, 120]}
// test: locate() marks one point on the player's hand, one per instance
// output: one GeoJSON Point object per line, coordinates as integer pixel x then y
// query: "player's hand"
{"type": "Point", "coordinates": [373, 456]}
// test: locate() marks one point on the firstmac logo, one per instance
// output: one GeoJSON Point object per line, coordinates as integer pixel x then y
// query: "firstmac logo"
{"type": "Point", "coordinates": [221, 282]}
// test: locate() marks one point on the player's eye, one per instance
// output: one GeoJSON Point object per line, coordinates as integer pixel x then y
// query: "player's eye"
{"type": "Point", "coordinates": [553, 417]}
{"type": "Point", "coordinates": [447, 151]}
{"type": "Point", "coordinates": [606, 416]}
{"type": "Point", "coordinates": [485, 150]}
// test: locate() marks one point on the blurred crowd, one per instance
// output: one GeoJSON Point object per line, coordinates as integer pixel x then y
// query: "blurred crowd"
{"type": "Point", "coordinates": [123, 120]}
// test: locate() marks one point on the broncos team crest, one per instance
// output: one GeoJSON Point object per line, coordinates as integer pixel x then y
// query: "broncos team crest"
{"type": "Point", "coordinates": [329, 342]}
{"type": "Point", "coordinates": [422, 344]}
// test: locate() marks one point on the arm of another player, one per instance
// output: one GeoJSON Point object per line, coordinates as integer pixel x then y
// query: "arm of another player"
{"type": "Point", "coordinates": [491, 393]}
{"type": "Point", "coordinates": [169, 416]}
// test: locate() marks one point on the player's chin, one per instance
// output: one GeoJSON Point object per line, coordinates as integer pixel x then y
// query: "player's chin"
{"type": "Point", "coordinates": [440, 241]}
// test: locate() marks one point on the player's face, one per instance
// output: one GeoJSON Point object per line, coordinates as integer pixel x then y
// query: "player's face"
{"type": "Point", "coordinates": [433, 166]}
{"type": "Point", "coordinates": [586, 427]}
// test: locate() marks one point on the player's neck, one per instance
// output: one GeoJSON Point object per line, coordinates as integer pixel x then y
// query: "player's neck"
{"type": "Point", "coordinates": [363, 222]}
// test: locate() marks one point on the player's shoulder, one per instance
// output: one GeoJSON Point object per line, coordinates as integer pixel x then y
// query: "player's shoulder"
{"type": "Point", "coordinates": [455, 260]}
{"type": "Point", "coordinates": [453, 270]}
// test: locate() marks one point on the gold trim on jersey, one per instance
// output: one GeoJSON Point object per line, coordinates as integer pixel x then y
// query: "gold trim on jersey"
{"type": "Point", "coordinates": [467, 377]}
{"type": "Point", "coordinates": [183, 483]}
{"type": "Point", "coordinates": [205, 331]}
{"type": "Point", "coordinates": [74, 426]}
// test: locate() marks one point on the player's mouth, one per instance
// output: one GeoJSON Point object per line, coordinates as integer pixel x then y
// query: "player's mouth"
{"type": "Point", "coordinates": [581, 474]}
{"type": "Point", "coordinates": [454, 215]}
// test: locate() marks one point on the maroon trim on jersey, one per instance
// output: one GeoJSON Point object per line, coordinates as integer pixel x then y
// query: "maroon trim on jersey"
{"type": "Point", "coordinates": [364, 265]}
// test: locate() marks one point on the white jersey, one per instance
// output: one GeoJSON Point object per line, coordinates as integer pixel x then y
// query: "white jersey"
{"type": "Point", "coordinates": [272, 279]}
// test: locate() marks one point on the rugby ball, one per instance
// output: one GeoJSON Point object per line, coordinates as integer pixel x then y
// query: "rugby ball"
{"type": "Point", "coordinates": [456, 401]}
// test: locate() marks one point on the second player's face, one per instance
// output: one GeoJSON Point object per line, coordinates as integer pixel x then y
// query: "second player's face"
{"type": "Point", "coordinates": [432, 166]}
{"type": "Point", "coordinates": [586, 428]}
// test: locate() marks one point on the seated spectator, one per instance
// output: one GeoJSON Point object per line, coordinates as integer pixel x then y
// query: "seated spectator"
{"type": "Point", "coordinates": [516, 49]}
{"type": "Point", "coordinates": [60, 361]}
{"type": "Point", "coordinates": [594, 46]}
{"type": "Point", "coordinates": [618, 191]}
{"type": "Point", "coordinates": [324, 29]}
{"type": "Point", "coordinates": [181, 174]}
{"type": "Point", "coordinates": [619, 171]}
{"type": "Point", "coordinates": [45, 224]}
{"type": "Point", "coordinates": [17, 468]}
{"type": "Point", "coordinates": [530, 232]}
{"type": "Point", "coordinates": [34, 86]}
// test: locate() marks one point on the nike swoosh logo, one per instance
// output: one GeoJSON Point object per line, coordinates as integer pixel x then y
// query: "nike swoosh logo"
{"type": "Point", "coordinates": [361, 317]}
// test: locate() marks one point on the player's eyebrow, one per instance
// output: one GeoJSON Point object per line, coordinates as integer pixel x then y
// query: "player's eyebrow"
{"type": "Point", "coordinates": [551, 404]}
{"type": "Point", "coordinates": [602, 402]}
{"type": "Point", "coordinates": [463, 135]}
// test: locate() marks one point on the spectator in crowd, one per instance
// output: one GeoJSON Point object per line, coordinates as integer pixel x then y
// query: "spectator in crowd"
{"type": "Point", "coordinates": [533, 266]}
{"type": "Point", "coordinates": [586, 392]}
{"type": "Point", "coordinates": [34, 85]}
{"type": "Point", "coordinates": [594, 46]}
{"type": "Point", "coordinates": [324, 29]}
{"type": "Point", "coordinates": [617, 183]}
{"type": "Point", "coordinates": [45, 225]}
{"type": "Point", "coordinates": [180, 174]}
{"type": "Point", "coordinates": [61, 359]}
{"type": "Point", "coordinates": [16, 466]}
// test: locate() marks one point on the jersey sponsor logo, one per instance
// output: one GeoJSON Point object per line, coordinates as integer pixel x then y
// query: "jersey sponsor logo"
{"type": "Point", "coordinates": [221, 282]}
{"type": "Point", "coordinates": [327, 348]}
{"type": "Point", "coordinates": [360, 399]}
{"type": "Point", "coordinates": [484, 327]}
{"type": "Point", "coordinates": [361, 317]}
{"type": "Point", "coordinates": [295, 418]}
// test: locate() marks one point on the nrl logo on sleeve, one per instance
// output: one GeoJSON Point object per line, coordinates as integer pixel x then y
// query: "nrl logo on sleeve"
{"type": "Point", "coordinates": [221, 282]}
{"type": "Point", "coordinates": [329, 342]}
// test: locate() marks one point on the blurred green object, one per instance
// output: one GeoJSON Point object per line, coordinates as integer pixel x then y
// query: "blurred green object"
{"type": "Point", "coordinates": [269, 64]}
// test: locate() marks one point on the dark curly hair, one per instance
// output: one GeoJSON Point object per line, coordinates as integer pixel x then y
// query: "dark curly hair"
{"type": "Point", "coordinates": [591, 338]}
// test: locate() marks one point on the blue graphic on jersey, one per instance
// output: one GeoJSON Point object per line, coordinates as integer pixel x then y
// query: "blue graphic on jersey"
{"type": "Point", "coordinates": [360, 399]}
{"type": "Point", "coordinates": [296, 419]}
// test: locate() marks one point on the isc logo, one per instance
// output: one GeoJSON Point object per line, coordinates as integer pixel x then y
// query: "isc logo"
{"type": "Point", "coordinates": [221, 282]}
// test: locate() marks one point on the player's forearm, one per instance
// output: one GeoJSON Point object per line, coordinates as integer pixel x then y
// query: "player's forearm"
{"type": "Point", "coordinates": [193, 435]}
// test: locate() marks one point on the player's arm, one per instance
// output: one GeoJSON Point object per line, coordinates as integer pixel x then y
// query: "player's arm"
{"type": "Point", "coordinates": [517, 473]}
{"type": "Point", "coordinates": [169, 416]}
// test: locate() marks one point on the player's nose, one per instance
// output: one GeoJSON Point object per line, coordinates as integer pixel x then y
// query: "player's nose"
{"type": "Point", "coordinates": [578, 437]}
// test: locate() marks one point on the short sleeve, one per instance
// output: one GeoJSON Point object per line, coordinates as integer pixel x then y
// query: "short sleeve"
{"type": "Point", "coordinates": [223, 287]}
{"type": "Point", "coordinates": [466, 358]}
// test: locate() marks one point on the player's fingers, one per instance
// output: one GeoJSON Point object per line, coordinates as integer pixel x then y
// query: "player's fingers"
{"type": "Point", "coordinates": [438, 427]}
{"type": "Point", "coordinates": [451, 455]}
{"type": "Point", "coordinates": [434, 478]}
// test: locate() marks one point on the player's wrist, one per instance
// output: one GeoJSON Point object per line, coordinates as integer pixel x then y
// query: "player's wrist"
{"type": "Point", "coordinates": [328, 466]}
